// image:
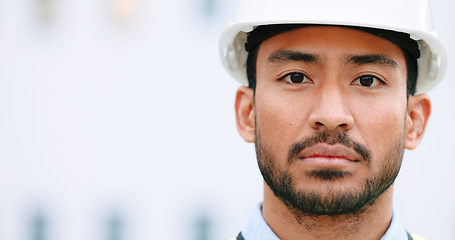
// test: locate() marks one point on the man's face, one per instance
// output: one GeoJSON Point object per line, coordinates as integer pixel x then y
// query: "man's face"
{"type": "Point", "coordinates": [330, 111]}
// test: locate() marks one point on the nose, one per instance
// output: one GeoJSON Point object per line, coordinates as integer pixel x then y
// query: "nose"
{"type": "Point", "coordinates": [331, 111]}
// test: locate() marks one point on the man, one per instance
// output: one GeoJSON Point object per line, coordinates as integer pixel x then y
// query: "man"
{"type": "Point", "coordinates": [335, 93]}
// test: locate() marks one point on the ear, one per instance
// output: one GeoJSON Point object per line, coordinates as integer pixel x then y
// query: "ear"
{"type": "Point", "coordinates": [244, 112]}
{"type": "Point", "coordinates": [419, 109]}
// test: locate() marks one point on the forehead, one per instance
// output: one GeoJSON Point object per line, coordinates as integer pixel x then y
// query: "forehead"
{"type": "Point", "coordinates": [330, 41]}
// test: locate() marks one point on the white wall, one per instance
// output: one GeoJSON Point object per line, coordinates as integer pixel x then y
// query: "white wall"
{"type": "Point", "coordinates": [101, 116]}
{"type": "Point", "coordinates": [425, 192]}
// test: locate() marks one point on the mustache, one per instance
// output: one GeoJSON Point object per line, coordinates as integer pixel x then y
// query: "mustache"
{"type": "Point", "coordinates": [331, 139]}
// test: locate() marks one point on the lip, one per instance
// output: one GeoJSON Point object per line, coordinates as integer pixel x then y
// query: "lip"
{"type": "Point", "coordinates": [329, 156]}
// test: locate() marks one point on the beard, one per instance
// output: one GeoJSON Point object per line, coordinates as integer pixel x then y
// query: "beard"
{"type": "Point", "coordinates": [337, 201]}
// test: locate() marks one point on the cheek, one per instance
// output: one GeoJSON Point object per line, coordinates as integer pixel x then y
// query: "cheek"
{"type": "Point", "coordinates": [381, 127]}
{"type": "Point", "coordinates": [279, 124]}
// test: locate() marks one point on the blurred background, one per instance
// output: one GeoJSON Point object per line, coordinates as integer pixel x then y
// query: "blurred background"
{"type": "Point", "coordinates": [117, 123]}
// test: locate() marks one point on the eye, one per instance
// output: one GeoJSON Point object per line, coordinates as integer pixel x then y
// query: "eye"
{"type": "Point", "coordinates": [367, 81]}
{"type": "Point", "coordinates": [295, 77]}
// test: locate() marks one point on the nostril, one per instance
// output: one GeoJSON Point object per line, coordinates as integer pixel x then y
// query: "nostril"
{"type": "Point", "coordinates": [319, 124]}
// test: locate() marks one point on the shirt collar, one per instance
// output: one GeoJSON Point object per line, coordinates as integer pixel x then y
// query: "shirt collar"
{"type": "Point", "coordinates": [257, 229]}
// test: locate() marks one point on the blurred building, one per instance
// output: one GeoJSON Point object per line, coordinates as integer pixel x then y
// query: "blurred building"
{"type": "Point", "coordinates": [117, 123]}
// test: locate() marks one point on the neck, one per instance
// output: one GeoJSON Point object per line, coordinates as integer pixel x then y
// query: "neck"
{"type": "Point", "coordinates": [370, 224]}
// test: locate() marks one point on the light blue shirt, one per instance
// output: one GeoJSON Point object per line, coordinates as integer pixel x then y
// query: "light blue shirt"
{"type": "Point", "coordinates": [257, 229]}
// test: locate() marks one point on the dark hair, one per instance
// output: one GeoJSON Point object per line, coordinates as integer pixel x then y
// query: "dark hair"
{"type": "Point", "coordinates": [411, 67]}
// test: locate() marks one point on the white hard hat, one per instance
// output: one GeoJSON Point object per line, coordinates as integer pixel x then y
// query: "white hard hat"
{"type": "Point", "coordinates": [407, 16]}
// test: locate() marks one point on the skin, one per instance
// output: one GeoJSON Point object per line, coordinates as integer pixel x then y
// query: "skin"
{"type": "Point", "coordinates": [331, 99]}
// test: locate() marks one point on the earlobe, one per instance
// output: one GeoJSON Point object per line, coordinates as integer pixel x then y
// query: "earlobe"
{"type": "Point", "coordinates": [244, 112]}
{"type": "Point", "coordinates": [419, 110]}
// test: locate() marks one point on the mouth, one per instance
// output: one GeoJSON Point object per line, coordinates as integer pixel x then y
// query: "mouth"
{"type": "Point", "coordinates": [335, 156]}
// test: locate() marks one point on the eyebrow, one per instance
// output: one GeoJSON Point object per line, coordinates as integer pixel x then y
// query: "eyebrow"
{"type": "Point", "coordinates": [290, 55]}
{"type": "Point", "coordinates": [372, 59]}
